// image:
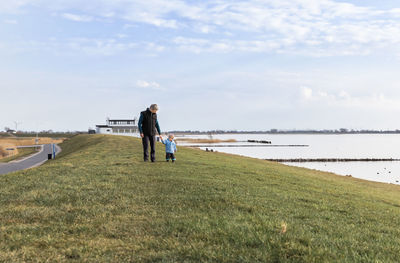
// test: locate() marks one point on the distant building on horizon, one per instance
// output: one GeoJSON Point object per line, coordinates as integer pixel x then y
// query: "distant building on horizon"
{"type": "Point", "coordinates": [11, 131]}
{"type": "Point", "coordinates": [126, 127]}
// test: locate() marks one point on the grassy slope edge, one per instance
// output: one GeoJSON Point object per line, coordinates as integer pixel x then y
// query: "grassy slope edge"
{"type": "Point", "coordinates": [99, 202]}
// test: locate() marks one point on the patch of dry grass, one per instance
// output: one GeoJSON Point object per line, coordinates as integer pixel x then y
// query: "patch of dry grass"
{"type": "Point", "coordinates": [7, 153]}
{"type": "Point", "coordinates": [3, 152]}
{"type": "Point", "coordinates": [28, 141]}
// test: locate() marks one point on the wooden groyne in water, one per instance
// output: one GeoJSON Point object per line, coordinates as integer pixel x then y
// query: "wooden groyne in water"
{"type": "Point", "coordinates": [324, 160]}
{"type": "Point", "coordinates": [258, 141]}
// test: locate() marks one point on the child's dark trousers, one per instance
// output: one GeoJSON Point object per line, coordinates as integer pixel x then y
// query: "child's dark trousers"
{"type": "Point", "coordinates": [169, 156]}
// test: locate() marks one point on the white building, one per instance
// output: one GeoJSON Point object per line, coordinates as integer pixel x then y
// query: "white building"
{"type": "Point", "coordinates": [119, 127]}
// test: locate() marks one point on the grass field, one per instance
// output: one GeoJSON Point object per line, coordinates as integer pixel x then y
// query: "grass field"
{"type": "Point", "coordinates": [98, 202]}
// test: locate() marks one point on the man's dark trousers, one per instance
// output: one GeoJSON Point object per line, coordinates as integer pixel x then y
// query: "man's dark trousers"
{"type": "Point", "coordinates": [145, 142]}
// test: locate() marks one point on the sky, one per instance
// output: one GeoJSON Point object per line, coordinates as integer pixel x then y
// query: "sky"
{"type": "Point", "coordinates": [67, 65]}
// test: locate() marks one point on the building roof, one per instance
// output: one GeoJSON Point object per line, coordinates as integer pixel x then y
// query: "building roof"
{"type": "Point", "coordinates": [116, 126]}
{"type": "Point", "coordinates": [122, 120]}
{"type": "Point", "coordinates": [123, 127]}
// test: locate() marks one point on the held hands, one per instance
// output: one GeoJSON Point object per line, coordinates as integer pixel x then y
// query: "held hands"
{"type": "Point", "coordinates": [161, 138]}
{"type": "Point", "coordinates": [142, 135]}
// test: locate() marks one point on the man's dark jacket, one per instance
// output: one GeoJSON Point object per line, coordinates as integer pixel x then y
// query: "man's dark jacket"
{"type": "Point", "coordinates": [148, 123]}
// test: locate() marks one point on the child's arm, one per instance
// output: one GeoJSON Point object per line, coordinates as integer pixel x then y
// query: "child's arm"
{"type": "Point", "coordinates": [175, 149]}
{"type": "Point", "coordinates": [163, 141]}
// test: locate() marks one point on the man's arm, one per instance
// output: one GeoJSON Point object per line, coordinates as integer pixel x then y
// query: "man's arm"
{"type": "Point", "coordinates": [140, 123]}
{"type": "Point", "coordinates": [158, 127]}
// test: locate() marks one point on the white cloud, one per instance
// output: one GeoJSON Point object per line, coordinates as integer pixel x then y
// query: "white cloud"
{"type": "Point", "coordinates": [11, 21]}
{"type": "Point", "coordinates": [343, 99]}
{"type": "Point", "coordinates": [77, 18]}
{"type": "Point", "coordinates": [306, 93]}
{"type": "Point", "coordinates": [310, 27]}
{"type": "Point", "coordinates": [122, 36]}
{"type": "Point", "coordinates": [198, 45]}
{"type": "Point", "coordinates": [84, 46]}
{"type": "Point", "coordinates": [155, 47]}
{"type": "Point", "coordinates": [149, 85]}
{"type": "Point", "coordinates": [13, 7]}
{"type": "Point", "coordinates": [305, 27]}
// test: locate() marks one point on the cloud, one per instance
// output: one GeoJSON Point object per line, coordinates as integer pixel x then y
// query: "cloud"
{"type": "Point", "coordinates": [309, 95]}
{"type": "Point", "coordinates": [11, 21]}
{"type": "Point", "coordinates": [84, 46]}
{"type": "Point", "coordinates": [107, 46]}
{"type": "Point", "coordinates": [71, 46]}
{"type": "Point", "coordinates": [342, 99]}
{"type": "Point", "coordinates": [13, 7]}
{"type": "Point", "coordinates": [303, 27]}
{"type": "Point", "coordinates": [121, 35]}
{"type": "Point", "coordinates": [306, 93]}
{"type": "Point", "coordinates": [149, 85]}
{"type": "Point", "coordinates": [77, 18]}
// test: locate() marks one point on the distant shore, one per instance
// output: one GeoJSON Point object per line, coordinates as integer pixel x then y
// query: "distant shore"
{"type": "Point", "coordinates": [276, 131]}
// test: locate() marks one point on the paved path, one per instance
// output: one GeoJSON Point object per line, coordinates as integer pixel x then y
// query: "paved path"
{"type": "Point", "coordinates": [28, 162]}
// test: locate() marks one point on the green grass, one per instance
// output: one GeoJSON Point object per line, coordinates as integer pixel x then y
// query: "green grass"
{"type": "Point", "coordinates": [98, 202]}
{"type": "Point", "coordinates": [22, 152]}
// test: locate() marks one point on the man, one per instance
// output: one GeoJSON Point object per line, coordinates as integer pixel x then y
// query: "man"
{"type": "Point", "coordinates": [148, 125]}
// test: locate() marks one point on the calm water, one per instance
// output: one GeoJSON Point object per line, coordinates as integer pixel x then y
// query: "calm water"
{"type": "Point", "coordinates": [327, 146]}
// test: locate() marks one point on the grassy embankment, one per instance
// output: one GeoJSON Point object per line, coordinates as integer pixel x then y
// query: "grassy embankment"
{"type": "Point", "coordinates": [99, 202]}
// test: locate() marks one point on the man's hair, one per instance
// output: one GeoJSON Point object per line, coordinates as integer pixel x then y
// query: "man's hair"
{"type": "Point", "coordinates": [153, 107]}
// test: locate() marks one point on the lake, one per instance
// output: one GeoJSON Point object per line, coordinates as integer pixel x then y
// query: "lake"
{"type": "Point", "coordinates": [354, 146]}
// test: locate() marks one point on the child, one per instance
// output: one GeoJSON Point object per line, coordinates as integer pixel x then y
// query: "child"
{"type": "Point", "coordinates": [170, 147]}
